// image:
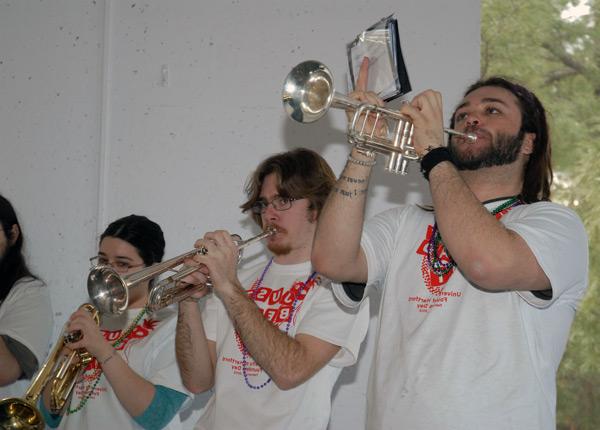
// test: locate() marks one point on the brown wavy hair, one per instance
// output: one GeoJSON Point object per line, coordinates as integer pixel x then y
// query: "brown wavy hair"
{"type": "Point", "coordinates": [302, 174]}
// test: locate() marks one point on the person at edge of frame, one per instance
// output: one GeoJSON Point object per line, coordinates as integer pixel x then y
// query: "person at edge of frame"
{"type": "Point", "coordinates": [478, 294]}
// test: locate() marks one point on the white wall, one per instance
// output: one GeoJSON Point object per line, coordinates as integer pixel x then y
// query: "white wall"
{"type": "Point", "coordinates": [163, 108]}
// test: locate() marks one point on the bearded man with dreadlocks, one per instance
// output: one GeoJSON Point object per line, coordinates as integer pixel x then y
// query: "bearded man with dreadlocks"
{"type": "Point", "coordinates": [478, 294]}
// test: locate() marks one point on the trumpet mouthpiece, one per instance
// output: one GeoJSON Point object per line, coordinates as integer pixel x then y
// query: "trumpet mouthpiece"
{"type": "Point", "coordinates": [470, 136]}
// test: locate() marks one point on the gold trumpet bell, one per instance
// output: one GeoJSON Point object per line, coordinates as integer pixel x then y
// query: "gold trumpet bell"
{"type": "Point", "coordinates": [19, 414]}
{"type": "Point", "coordinates": [61, 372]}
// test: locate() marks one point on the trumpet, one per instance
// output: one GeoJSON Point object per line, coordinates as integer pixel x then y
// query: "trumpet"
{"type": "Point", "coordinates": [308, 93]}
{"type": "Point", "coordinates": [109, 291]}
{"type": "Point", "coordinates": [61, 372]}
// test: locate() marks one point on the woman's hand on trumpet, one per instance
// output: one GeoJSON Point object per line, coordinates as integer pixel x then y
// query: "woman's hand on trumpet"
{"type": "Point", "coordinates": [91, 337]}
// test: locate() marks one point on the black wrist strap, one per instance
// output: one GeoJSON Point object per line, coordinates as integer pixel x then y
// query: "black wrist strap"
{"type": "Point", "coordinates": [433, 158]}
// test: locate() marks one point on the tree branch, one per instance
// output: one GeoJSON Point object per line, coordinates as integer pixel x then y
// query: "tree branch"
{"type": "Point", "coordinates": [558, 75]}
{"type": "Point", "coordinates": [565, 58]}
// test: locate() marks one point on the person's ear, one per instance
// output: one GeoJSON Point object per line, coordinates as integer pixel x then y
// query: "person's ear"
{"type": "Point", "coordinates": [14, 234]}
{"type": "Point", "coordinates": [528, 143]}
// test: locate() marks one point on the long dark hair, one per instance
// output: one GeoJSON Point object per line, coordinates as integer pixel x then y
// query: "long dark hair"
{"type": "Point", "coordinates": [537, 177]}
{"type": "Point", "coordinates": [142, 233]}
{"type": "Point", "coordinates": [12, 264]}
{"type": "Point", "coordinates": [302, 174]}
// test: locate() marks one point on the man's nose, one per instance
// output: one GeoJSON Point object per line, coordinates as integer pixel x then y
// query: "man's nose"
{"type": "Point", "coordinates": [270, 212]}
{"type": "Point", "coordinates": [472, 121]}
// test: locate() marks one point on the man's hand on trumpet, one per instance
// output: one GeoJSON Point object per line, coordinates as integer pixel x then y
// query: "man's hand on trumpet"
{"type": "Point", "coordinates": [425, 111]}
{"type": "Point", "coordinates": [364, 96]}
{"type": "Point", "coordinates": [197, 283]}
{"type": "Point", "coordinates": [219, 261]}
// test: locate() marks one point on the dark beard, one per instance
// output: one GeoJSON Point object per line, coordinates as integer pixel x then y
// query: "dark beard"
{"type": "Point", "coordinates": [503, 150]}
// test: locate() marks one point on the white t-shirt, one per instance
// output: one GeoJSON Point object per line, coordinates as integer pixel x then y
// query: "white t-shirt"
{"type": "Point", "coordinates": [150, 352]}
{"type": "Point", "coordinates": [234, 404]}
{"type": "Point", "coordinates": [449, 355]}
{"type": "Point", "coordinates": [26, 316]}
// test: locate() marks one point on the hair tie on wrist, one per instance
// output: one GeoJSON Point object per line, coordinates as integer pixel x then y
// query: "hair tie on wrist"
{"type": "Point", "coordinates": [433, 158]}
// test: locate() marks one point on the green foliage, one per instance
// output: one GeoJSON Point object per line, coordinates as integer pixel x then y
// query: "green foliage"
{"type": "Point", "coordinates": [560, 61]}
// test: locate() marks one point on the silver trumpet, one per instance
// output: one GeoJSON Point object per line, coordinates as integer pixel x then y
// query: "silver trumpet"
{"type": "Point", "coordinates": [109, 291]}
{"type": "Point", "coordinates": [308, 93]}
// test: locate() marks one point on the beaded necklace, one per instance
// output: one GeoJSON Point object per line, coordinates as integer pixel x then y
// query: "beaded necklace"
{"type": "Point", "coordinates": [255, 289]}
{"type": "Point", "coordinates": [115, 344]}
{"type": "Point", "coordinates": [440, 267]}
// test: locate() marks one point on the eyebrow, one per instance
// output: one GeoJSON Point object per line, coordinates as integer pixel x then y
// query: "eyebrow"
{"type": "Point", "coordinates": [485, 100]}
{"type": "Point", "coordinates": [118, 257]}
{"type": "Point", "coordinates": [264, 198]}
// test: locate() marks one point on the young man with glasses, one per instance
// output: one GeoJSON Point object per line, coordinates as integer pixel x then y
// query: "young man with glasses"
{"type": "Point", "coordinates": [271, 340]}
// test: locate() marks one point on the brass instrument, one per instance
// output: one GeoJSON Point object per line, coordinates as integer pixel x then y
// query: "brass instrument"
{"type": "Point", "coordinates": [109, 291]}
{"type": "Point", "coordinates": [61, 372]}
{"type": "Point", "coordinates": [308, 93]}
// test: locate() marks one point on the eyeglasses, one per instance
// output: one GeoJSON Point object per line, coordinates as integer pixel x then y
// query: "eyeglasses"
{"type": "Point", "coordinates": [119, 266]}
{"type": "Point", "coordinates": [279, 204]}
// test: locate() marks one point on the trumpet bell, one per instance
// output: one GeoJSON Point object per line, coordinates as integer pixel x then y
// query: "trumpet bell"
{"type": "Point", "coordinates": [308, 91]}
{"type": "Point", "coordinates": [19, 414]}
{"type": "Point", "coordinates": [107, 290]}
{"type": "Point", "coordinates": [158, 298]}
{"type": "Point", "coordinates": [59, 372]}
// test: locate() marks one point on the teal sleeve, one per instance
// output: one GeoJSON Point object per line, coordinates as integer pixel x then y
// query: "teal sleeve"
{"type": "Point", "coordinates": [162, 409]}
{"type": "Point", "coordinates": [52, 420]}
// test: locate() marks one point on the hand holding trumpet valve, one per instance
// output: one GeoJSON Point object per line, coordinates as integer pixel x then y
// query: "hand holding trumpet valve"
{"type": "Point", "coordinates": [370, 122]}
{"type": "Point", "coordinates": [90, 337]}
{"type": "Point", "coordinates": [425, 111]}
{"type": "Point", "coordinates": [218, 260]}
{"type": "Point", "coordinates": [308, 93]}
{"type": "Point", "coordinates": [194, 275]}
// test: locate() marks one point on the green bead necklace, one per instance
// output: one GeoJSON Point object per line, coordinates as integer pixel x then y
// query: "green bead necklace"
{"type": "Point", "coordinates": [115, 344]}
{"type": "Point", "coordinates": [440, 267]}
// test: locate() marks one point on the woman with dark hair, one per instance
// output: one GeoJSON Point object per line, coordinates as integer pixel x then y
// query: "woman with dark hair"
{"type": "Point", "coordinates": [25, 312]}
{"type": "Point", "coordinates": [133, 381]}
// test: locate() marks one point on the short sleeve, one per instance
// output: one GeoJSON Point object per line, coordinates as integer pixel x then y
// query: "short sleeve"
{"type": "Point", "coordinates": [558, 240]}
{"type": "Point", "coordinates": [327, 320]}
{"type": "Point", "coordinates": [26, 316]}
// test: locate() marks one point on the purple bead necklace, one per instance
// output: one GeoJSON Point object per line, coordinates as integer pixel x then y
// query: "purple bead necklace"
{"type": "Point", "coordinates": [287, 327]}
